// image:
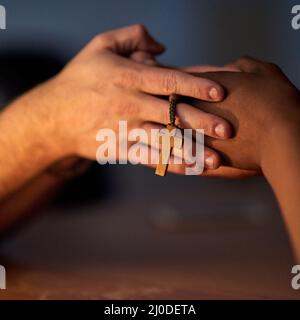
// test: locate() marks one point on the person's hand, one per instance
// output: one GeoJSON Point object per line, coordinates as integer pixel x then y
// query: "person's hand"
{"type": "Point", "coordinates": [222, 171]}
{"type": "Point", "coordinates": [106, 83]}
{"type": "Point", "coordinates": [264, 108]}
{"type": "Point", "coordinates": [262, 104]}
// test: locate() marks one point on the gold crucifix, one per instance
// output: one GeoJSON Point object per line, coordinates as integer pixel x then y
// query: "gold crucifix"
{"type": "Point", "coordinates": [169, 139]}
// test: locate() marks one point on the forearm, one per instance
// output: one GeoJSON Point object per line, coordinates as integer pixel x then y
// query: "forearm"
{"type": "Point", "coordinates": [25, 144]}
{"type": "Point", "coordinates": [282, 170]}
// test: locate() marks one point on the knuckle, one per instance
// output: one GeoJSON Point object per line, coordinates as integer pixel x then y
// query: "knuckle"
{"type": "Point", "coordinates": [249, 64]}
{"type": "Point", "coordinates": [272, 67]}
{"type": "Point", "coordinates": [128, 110]}
{"type": "Point", "coordinates": [140, 29]}
{"type": "Point", "coordinates": [97, 38]}
{"type": "Point", "coordinates": [128, 78]}
{"type": "Point", "coordinates": [207, 123]}
{"type": "Point", "coordinates": [102, 39]}
{"type": "Point", "coordinates": [246, 62]}
{"type": "Point", "coordinates": [242, 60]}
{"type": "Point", "coordinates": [170, 83]}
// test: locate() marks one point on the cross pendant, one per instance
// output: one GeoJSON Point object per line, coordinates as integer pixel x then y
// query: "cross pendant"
{"type": "Point", "coordinates": [170, 139]}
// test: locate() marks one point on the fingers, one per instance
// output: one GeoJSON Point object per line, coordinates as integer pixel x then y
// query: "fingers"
{"type": "Point", "coordinates": [243, 64]}
{"type": "Point", "coordinates": [163, 81]}
{"type": "Point", "coordinates": [208, 68]}
{"type": "Point", "coordinates": [127, 40]}
{"type": "Point", "coordinates": [211, 158]}
{"type": "Point", "coordinates": [247, 64]}
{"type": "Point", "coordinates": [154, 80]}
{"type": "Point", "coordinates": [251, 65]}
{"type": "Point", "coordinates": [173, 167]}
{"type": "Point", "coordinates": [157, 110]}
{"type": "Point", "coordinates": [230, 173]}
{"type": "Point", "coordinates": [143, 57]}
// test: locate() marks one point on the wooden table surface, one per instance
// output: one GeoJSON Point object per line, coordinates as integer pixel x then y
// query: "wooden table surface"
{"type": "Point", "coordinates": [121, 250]}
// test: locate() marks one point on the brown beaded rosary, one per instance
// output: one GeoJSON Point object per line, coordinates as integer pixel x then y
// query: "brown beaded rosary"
{"type": "Point", "coordinates": [169, 140]}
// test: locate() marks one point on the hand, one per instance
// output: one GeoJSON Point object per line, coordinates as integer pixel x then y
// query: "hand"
{"type": "Point", "coordinates": [261, 104]}
{"type": "Point", "coordinates": [101, 86]}
{"type": "Point", "coordinates": [223, 171]}
{"type": "Point", "coordinates": [264, 108]}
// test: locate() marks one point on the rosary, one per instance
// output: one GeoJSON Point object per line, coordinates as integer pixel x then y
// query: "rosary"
{"type": "Point", "coordinates": [170, 139]}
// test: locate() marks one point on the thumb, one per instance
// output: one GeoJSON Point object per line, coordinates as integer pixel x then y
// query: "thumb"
{"type": "Point", "coordinates": [144, 58]}
{"type": "Point", "coordinates": [130, 39]}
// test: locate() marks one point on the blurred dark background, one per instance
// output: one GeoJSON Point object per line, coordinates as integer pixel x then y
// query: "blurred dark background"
{"type": "Point", "coordinates": [42, 36]}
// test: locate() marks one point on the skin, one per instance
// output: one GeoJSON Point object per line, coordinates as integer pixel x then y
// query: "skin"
{"type": "Point", "coordinates": [264, 109]}
{"type": "Point", "coordinates": [114, 77]}
{"type": "Point", "coordinates": [61, 117]}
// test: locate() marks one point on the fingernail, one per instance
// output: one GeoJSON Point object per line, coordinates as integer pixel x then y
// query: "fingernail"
{"type": "Point", "coordinates": [220, 130]}
{"type": "Point", "coordinates": [209, 161]}
{"type": "Point", "coordinates": [214, 94]}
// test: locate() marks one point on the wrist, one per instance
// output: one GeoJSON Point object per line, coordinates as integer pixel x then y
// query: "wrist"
{"type": "Point", "coordinates": [28, 127]}
{"type": "Point", "coordinates": [69, 168]}
{"type": "Point", "coordinates": [281, 169]}
{"type": "Point", "coordinates": [282, 148]}
{"type": "Point", "coordinates": [282, 133]}
{"type": "Point", "coordinates": [41, 121]}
